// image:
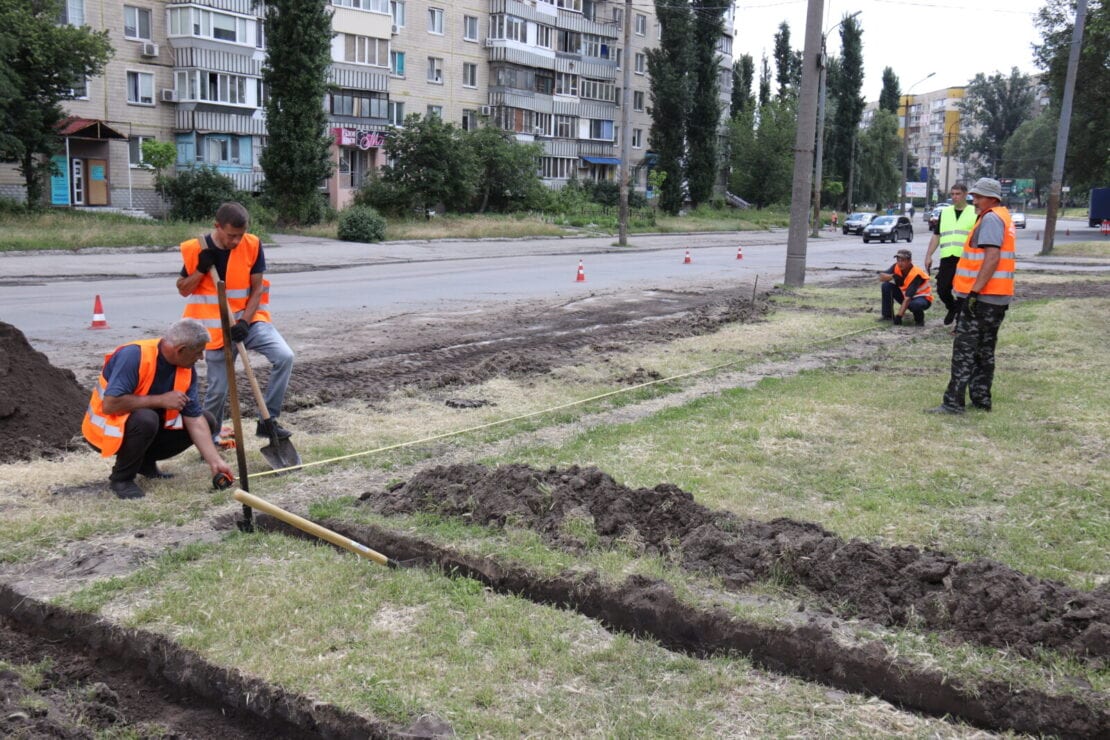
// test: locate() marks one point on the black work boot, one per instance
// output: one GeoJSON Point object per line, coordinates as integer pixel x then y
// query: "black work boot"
{"type": "Point", "coordinates": [126, 489]}
{"type": "Point", "coordinates": [266, 425]}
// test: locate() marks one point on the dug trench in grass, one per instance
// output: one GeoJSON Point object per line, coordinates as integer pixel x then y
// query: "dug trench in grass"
{"type": "Point", "coordinates": [981, 602]}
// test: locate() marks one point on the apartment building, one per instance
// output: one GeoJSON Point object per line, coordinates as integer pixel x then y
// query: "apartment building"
{"type": "Point", "coordinates": [930, 125]}
{"type": "Point", "coordinates": [190, 72]}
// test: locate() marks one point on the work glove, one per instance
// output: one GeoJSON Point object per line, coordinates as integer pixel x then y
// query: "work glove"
{"type": "Point", "coordinates": [205, 261]}
{"type": "Point", "coordinates": [971, 305]}
{"type": "Point", "coordinates": [239, 330]}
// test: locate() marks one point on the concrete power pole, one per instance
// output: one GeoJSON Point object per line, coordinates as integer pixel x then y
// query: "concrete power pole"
{"type": "Point", "coordinates": [1062, 129]}
{"type": "Point", "coordinates": [803, 149]}
{"type": "Point", "coordinates": [626, 133]}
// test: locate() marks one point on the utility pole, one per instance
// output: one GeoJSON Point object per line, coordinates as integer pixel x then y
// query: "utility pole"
{"type": "Point", "coordinates": [1062, 129]}
{"type": "Point", "coordinates": [803, 149]}
{"type": "Point", "coordinates": [626, 132]}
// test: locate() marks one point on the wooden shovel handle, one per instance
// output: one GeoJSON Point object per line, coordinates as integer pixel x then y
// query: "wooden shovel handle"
{"type": "Point", "coordinates": [258, 399]}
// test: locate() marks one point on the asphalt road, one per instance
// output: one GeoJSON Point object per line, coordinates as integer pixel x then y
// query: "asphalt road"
{"type": "Point", "coordinates": [50, 296]}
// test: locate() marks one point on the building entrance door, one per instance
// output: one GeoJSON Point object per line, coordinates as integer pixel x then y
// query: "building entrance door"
{"type": "Point", "coordinates": [98, 182]}
{"type": "Point", "coordinates": [78, 182]}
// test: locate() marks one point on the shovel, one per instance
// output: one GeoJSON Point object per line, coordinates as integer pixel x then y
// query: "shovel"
{"type": "Point", "coordinates": [280, 453]}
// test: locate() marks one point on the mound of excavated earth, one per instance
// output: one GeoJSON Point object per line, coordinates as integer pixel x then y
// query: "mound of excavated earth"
{"type": "Point", "coordinates": [980, 601]}
{"type": "Point", "coordinates": [41, 406]}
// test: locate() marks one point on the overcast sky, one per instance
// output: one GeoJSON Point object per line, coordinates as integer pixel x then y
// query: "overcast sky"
{"type": "Point", "coordinates": [912, 37]}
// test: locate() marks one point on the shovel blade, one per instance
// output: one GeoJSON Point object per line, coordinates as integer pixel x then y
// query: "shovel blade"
{"type": "Point", "coordinates": [281, 454]}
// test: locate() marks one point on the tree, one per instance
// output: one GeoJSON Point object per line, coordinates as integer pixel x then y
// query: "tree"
{"type": "Point", "coordinates": [703, 119]}
{"type": "Point", "coordinates": [764, 82]}
{"type": "Point", "coordinates": [846, 102]}
{"type": "Point", "coordinates": [890, 98]}
{"type": "Point", "coordinates": [1087, 162]}
{"type": "Point", "coordinates": [432, 164]}
{"type": "Point", "coordinates": [1029, 153]}
{"type": "Point", "coordinates": [763, 154]}
{"type": "Point", "coordinates": [670, 100]}
{"type": "Point", "coordinates": [743, 74]}
{"type": "Point", "coordinates": [159, 156]}
{"type": "Point", "coordinates": [42, 61]}
{"type": "Point", "coordinates": [787, 67]}
{"type": "Point", "coordinates": [297, 157]}
{"type": "Point", "coordinates": [880, 160]}
{"type": "Point", "coordinates": [994, 107]}
{"type": "Point", "coordinates": [507, 170]}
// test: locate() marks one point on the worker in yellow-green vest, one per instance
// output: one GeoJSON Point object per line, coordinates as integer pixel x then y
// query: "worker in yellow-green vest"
{"type": "Point", "coordinates": [949, 235]}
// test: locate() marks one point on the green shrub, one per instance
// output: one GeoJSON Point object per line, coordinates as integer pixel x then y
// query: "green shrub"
{"type": "Point", "coordinates": [196, 193]}
{"type": "Point", "coordinates": [361, 224]}
{"type": "Point", "coordinates": [385, 197]}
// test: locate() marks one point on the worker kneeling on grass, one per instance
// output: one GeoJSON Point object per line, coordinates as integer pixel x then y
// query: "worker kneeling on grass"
{"type": "Point", "coordinates": [907, 285]}
{"type": "Point", "coordinates": [145, 408]}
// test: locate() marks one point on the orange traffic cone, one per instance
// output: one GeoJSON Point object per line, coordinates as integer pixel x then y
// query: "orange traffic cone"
{"type": "Point", "coordinates": [739, 253]}
{"type": "Point", "coordinates": [1105, 227]}
{"type": "Point", "coordinates": [581, 273]}
{"type": "Point", "coordinates": [98, 322]}
{"type": "Point", "coordinates": [687, 259]}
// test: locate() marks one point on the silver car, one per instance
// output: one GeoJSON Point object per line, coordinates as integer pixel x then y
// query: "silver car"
{"type": "Point", "coordinates": [1018, 219]}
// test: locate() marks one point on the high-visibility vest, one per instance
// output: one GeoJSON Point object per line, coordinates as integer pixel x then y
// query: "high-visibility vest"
{"type": "Point", "coordinates": [203, 304]}
{"type": "Point", "coordinates": [925, 290]}
{"type": "Point", "coordinates": [967, 269]}
{"type": "Point", "coordinates": [954, 230]}
{"type": "Point", "coordinates": [105, 431]}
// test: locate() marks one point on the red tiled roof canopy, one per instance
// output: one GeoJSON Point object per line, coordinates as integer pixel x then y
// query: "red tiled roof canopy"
{"type": "Point", "coordinates": [88, 128]}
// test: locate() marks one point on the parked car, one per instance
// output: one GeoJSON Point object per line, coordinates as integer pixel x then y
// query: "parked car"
{"type": "Point", "coordinates": [889, 228]}
{"type": "Point", "coordinates": [856, 222]}
{"type": "Point", "coordinates": [934, 215]}
{"type": "Point", "coordinates": [1019, 219]}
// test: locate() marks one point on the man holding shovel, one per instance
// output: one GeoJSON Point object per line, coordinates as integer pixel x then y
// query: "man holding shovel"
{"type": "Point", "coordinates": [241, 263]}
{"type": "Point", "coordinates": [144, 408]}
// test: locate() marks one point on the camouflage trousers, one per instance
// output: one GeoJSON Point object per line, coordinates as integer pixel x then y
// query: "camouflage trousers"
{"type": "Point", "coordinates": [973, 356]}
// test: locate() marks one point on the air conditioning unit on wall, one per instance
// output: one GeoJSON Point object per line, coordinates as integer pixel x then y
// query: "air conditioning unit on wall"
{"type": "Point", "coordinates": [150, 49]}
{"type": "Point", "coordinates": [169, 95]}
{"type": "Point", "coordinates": [394, 30]}
{"type": "Point", "coordinates": [485, 110]}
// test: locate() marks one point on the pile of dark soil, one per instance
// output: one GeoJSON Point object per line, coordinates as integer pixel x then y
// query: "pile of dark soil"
{"type": "Point", "coordinates": [41, 406]}
{"type": "Point", "coordinates": [980, 601]}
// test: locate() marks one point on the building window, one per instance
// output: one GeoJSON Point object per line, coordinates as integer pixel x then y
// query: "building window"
{"type": "Point", "coordinates": [396, 113]}
{"type": "Point", "coordinates": [575, 5]}
{"type": "Point", "coordinates": [220, 150]}
{"type": "Point", "coordinates": [469, 119]}
{"type": "Point", "coordinates": [508, 27]}
{"type": "Point", "coordinates": [397, 11]}
{"type": "Point", "coordinates": [470, 74]}
{"type": "Point", "coordinates": [566, 127]}
{"type": "Point", "coordinates": [435, 20]}
{"type": "Point", "coordinates": [545, 36]}
{"type": "Point", "coordinates": [600, 129]}
{"type": "Point", "coordinates": [80, 90]}
{"type": "Point", "coordinates": [140, 88]}
{"type": "Point", "coordinates": [641, 64]}
{"type": "Point", "coordinates": [557, 168]}
{"type": "Point", "coordinates": [365, 50]}
{"type": "Point", "coordinates": [618, 17]}
{"type": "Point", "coordinates": [136, 23]}
{"type": "Point", "coordinates": [435, 70]}
{"type": "Point", "coordinates": [637, 100]}
{"type": "Point", "coordinates": [641, 24]}
{"type": "Point", "coordinates": [372, 105]}
{"type": "Point", "coordinates": [545, 82]}
{"type": "Point", "coordinates": [397, 63]}
{"type": "Point", "coordinates": [215, 87]}
{"type": "Point", "coordinates": [135, 149]}
{"type": "Point", "coordinates": [378, 6]}
{"type": "Point", "coordinates": [566, 84]}
{"type": "Point", "coordinates": [72, 13]}
{"type": "Point", "coordinates": [598, 90]}
{"type": "Point", "coordinates": [470, 28]}
{"type": "Point", "coordinates": [637, 138]}
{"type": "Point", "coordinates": [188, 21]}
{"type": "Point", "coordinates": [569, 42]}
{"type": "Point", "coordinates": [435, 110]}
{"type": "Point", "coordinates": [543, 124]}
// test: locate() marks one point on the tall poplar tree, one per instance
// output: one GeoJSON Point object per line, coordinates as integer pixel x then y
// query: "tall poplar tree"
{"type": "Point", "coordinates": [704, 117]}
{"type": "Point", "coordinates": [670, 100]}
{"type": "Point", "coordinates": [784, 63]}
{"type": "Point", "coordinates": [295, 75]}
{"type": "Point", "coordinates": [890, 98]}
{"type": "Point", "coordinates": [764, 82]}
{"type": "Point", "coordinates": [994, 106]}
{"type": "Point", "coordinates": [846, 102]}
{"type": "Point", "coordinates": [743, 74]}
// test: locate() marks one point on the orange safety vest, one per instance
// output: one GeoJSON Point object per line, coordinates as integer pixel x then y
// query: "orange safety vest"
{"type": "Point", "coordinates": [967, 269]}
{"type": "Point", "coordinates": [203, 304]}
{"type": "Point", "coordinates": [105, 431]}
{"type": "Point", "coordinates": [925, 291]}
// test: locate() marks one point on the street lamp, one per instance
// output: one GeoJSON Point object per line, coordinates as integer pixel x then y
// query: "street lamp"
{"type": "Point", "coordinates": [820, 154]}
{"type": "Point", "coordinates": [906, 136]}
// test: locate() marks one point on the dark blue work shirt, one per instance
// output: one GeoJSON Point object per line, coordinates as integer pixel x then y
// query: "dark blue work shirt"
{"type": "Point", "coordinates": [122, 372]}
